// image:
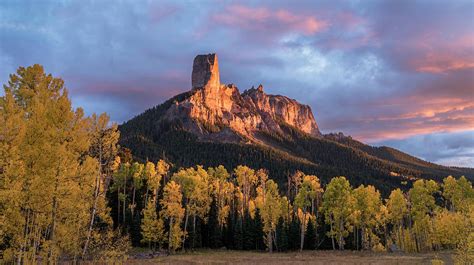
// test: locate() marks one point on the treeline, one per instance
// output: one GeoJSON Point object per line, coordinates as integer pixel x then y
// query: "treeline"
{"type": "Point", "coordinates": [69, 192]}
{"type": "Point", "coordinates": [244, 209]}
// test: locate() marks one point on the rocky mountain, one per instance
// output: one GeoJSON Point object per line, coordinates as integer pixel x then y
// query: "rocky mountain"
{"type": "Point", "coordinates": [216, 111]}
{"type": "Point", "coordinates": [214, 124]}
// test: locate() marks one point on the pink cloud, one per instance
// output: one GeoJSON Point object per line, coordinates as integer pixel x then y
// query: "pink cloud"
{"type": "Point", "coordinates": [417, 115]}
{"type": "Point", "coordinates": [262, 18]}
{"type": "Point", "coordinates": [439, 54]}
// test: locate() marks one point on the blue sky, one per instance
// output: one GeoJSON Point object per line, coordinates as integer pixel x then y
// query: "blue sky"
{"type": "Point", "coordinates": [397, 73]}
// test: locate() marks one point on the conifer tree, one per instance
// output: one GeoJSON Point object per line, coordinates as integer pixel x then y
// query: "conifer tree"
{"type": "Point", "coordinates": [310, 236]}
{"type": "Point", "coordinates": [259, 230]}
{"type": "Point", "coordinates": [215, 230]}
{"type": "Point", "coordinates": [238, 234]}
{"type": "Point", "coordinates": [294, 234]}
{"type": "Point", "coordinates": [282, 235]}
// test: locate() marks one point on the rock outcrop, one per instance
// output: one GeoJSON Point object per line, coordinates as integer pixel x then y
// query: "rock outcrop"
{"type": "Point", "coordinates": [220, 112]}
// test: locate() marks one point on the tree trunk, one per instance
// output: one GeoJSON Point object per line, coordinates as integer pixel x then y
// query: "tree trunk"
{"type": "Point", "coordinates": [94, 208]}
{"type": "Point", "coordinates": [185, 226]}
{"type": "Point", "coordinates": [53, 219]}
{"type": "Point", "coordinates": [332, 236]}
{"type": "Point", "coordinates": [341, 239]}
{"type": "Point", "coordinates": [364, 238]}
{"type": "Point", "coordinates": [302, 230]}
{"type": "Point", "coordinates": [275, 240]}
{"type": "Point", "coordinates": [133, 201]}
{"type": "Point", "coordinates": [355, 238]}
{"type": "Point", "coordinates": [270, 242]}
{"type": "Point", "coordinates": [170, 235]}
{"type": "Point", "coordinates": [194, 230]}
{"type": "Point", "coordinates": [124, 198]}
{"type": "Point", "coordinates": [25, 236]}
{"type": "Point", "coordinates": [146, 199]}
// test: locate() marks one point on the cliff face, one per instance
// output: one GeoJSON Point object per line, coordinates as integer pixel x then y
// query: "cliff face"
{"type": "Point", "coordinates": [220, 112]}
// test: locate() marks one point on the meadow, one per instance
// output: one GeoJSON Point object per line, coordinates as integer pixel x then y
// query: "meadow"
{"type": "Point", "coordinates": [304, 257]}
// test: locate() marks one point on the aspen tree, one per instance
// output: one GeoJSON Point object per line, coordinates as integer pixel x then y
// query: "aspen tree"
{"type": "Point", "coordinates": [173, 212]}
{"type": "Point", "coordinates": [367, 204]}
{"type": "Point", "coordinates": [246, 180]}
{"type": "Point", "coordinates": [397, 206]}
{"type": "Point", "coordinates": [47, 182]}
{"type": "Point", "coordinates": [337, 207]}
{"type": "Point", "coordinates": [270, 211]}
{"type": "Point", "coordinates": [305, 199]}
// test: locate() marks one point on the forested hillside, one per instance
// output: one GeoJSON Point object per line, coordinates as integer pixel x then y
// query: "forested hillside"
{"type": "Point", "coordinates": [150, 137]}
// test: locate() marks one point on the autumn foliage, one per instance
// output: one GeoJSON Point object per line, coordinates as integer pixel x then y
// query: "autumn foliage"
{"type": "Point", "coordinates": [68, 191]}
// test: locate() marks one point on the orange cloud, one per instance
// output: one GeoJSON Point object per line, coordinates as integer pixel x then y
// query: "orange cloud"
{"type": "Point", "coordinates": [439, 55]}
{"type": "Point", "coordinates": [262, 18]}
{"type": "Point", "coordinates": [426, 119]}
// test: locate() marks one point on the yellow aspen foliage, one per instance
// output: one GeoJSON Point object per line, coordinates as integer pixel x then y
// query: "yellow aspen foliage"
{"type": "Point", "coordinates": [152, 228]}
{"type": "Point", "coordinates": [423, 205]}
{"type": "Point", "coordinates": [270, 212]}
{"type": "Point", "coordinates": [222, 190]}
{"type": "Point", "coordinates": [195, 189]}
{"type": "Point", "coordinates": [338, 204]}
{"type": "Point", "coordinates": [367, 204]}
{"type": "Point", "coordinates": [173, 212]}
{"type": "Point", "coordinates": [246, 179]}
{"type": "Point", "coordinates": [449, 229]}
{"type": "Point", "coordinates": [48, 172]}
{"type": "Point", "coordinates": [308, 192]}
{"type": "Point", "coordinates": [162, 168]}
{"type": "Point", "coordinates": [458, 193]}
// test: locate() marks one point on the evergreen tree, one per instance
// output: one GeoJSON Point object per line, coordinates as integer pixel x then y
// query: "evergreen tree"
{"type": "Point", "coordinates": [238, 234]}
{"type": "Point", "coordinates": [310, 240]}
{"type": "Point", "coordinates": [258, 231]}
{"type": "Point", "coordinates": [215, 231]}
{"type": "Point", "coordinates": [282, 235]}
{"type": "Point", "coordinates": [294, 234]}
{"type": "Point", "coordinates": [229, 231]}
{"type": "Point", "coordinates": [249, 232]}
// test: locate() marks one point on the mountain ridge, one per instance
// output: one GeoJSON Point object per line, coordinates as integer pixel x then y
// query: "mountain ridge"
{"type": "Point", "coordinates": [215, 124]}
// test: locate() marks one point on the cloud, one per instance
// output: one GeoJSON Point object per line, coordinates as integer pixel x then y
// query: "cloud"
{"type": "Point", "coordinates": [376, 70]}
{"type": "Point", "coordinates": [268, 21]}
{"type": "Point", "coordinates": [452, 149]}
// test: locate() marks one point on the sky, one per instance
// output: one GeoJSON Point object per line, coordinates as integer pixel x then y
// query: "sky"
{"type": "Point", "coordinates": [395, 73]}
